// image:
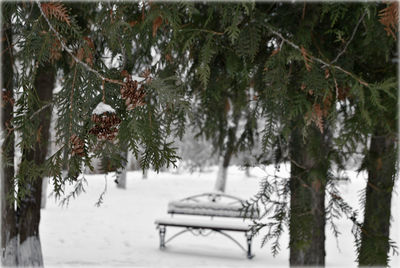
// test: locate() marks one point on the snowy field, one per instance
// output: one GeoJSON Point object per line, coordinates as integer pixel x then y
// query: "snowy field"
{"type": "Point", "coordinates": [121, 232]}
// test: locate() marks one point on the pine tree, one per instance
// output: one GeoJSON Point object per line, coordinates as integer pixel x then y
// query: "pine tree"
{"type": "Point", "coordinates": [30, 201]}
{"type": "Point", "coordinates": [300, 68]}
{"type": "Point", "coordinates": [8, 225]}
{"type": "Point", "coordinates": [381, 157]}
{"type": "Point", "coordinates": [51, 40]}
{"type": "Point", "coordinates": [225, 58]}
{"type": "Point", "coordinates": [215, 76]}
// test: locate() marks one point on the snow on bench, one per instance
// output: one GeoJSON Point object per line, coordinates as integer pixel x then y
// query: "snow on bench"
{"type": "Point", "coordinates": [211, 205]}
{"type": "Point", "coordinates": [207, 224]}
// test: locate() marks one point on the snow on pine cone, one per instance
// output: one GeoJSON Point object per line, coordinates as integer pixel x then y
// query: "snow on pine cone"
{"type": "Point", "coordinates": [77, 145]}
{"type": "Point", "coordinates": [132, 94]}
{"type": "Point", "coordinates": [106, 122]}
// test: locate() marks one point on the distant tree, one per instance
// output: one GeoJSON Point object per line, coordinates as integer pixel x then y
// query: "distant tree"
{"type": "Point", "coordinates": [197, 154]}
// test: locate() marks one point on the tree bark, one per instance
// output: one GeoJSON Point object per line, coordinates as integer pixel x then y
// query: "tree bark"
{"type": "Point", "coordinates": [9, 233]}
{"type": "Point", "coordinates": [144, 176]}
{"type": "Point", "coordinates": [224, 161]}
{"type": "Point", "coordinates": [43, 200]}
{"type": "Point", "coordinates": [220, 183]}
{"type": "Point", "coordinates": [30, 252]}
{"type": "Point", "coordinates": [309, 168]}
{"type": "Point", "coordinates": [247, 172]}
{"type": "Point", "coordinates": [381, 166]}
{"type": "Point", "coordinates": [121, 174]}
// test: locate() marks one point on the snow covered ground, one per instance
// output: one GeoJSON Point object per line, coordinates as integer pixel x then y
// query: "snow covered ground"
{"type": "Point", "coordinates": [121, 232]}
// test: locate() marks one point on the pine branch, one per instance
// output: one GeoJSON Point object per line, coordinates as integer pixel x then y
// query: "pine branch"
{"type": "Point", "coordinates": [71, 102]}
{"type": "Point", "coordinates": [203, 30]}
{"type": "Point", "coordinates": [315, 58]}
{"type": "Point", "coordinates": [351, 38]}
{"type": "Point", "coordinates": [56, 10]}
{"type": "Point", "coordinates": [389, 17]}
{"type": "Point", "coordinates": [70, 52]}
{"type": "Point", "coordinates": [41, 109]}
{"type": "Point", "coordinates": [78, 189]}
{"type": "Point", "coordinates": [306, 57]}
{"type": "Point", "coordinates": [100, 201]}
{"type": "Point", "coordinates": [156, 24]}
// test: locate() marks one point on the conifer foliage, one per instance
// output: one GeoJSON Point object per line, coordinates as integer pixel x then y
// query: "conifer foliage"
{"type": "Point", "coordinates": [303, 63]}
{"type": "Point", "coordinates": [87, 46]}
{"type": "Point", "coordinates": [312, 80]}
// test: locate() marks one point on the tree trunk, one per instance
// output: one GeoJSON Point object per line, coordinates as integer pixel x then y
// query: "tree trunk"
{"type": "Point", "coordinates": [121, 174]}
{"type": "Point", "coordinates": [226, 156]}
{"type": "Point", "coordinates": [309, 168]}
{"type": "Point", "coordinates": [247, 172]}
{"type": "Point", "coordinates": [221, 176]}
{"type": "Point", "coordinates": [9, 233]}
{"type": "Point", "coordinates": [381, 166]}
{"type": "Point", "coordinates": [30, 252]}
{"type": "Point", "coordinates": [225, 159]}
{"type": "Point", "coordinates": [43, 201]}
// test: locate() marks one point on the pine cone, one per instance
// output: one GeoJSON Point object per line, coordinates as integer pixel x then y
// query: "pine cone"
{"type": "Point", "coordinates": [132, 95]}
{"type": "Point", "coordinates": [105, 127]}
{"type": "Point", "coordinates": [77, 145]}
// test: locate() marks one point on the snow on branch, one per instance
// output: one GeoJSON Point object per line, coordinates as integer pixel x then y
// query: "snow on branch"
{"type": "Point", "coordinates": [103, 108]}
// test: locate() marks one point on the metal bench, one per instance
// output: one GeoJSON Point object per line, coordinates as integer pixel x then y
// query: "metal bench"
{"type": "Point", "coordinates": [212, 205]}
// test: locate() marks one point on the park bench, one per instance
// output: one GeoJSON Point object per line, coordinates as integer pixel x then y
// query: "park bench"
{"type": "Point", "coordinates": [211, 205]}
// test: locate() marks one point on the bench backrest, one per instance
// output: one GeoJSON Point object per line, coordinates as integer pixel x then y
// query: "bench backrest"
{"type": "Point", "coordinates": [212, 204]}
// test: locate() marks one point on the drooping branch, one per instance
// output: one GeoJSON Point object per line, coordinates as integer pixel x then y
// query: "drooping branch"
{"type": "Point", "coordinates": [70, 52]}
{"type": "Point", "coordinates": [324, 63]}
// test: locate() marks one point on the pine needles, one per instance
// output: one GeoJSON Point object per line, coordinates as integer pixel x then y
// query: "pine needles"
{"type": "Point", "coordinates": [389, 17]}
{"type": "Point", "coordinates": [56, 10]}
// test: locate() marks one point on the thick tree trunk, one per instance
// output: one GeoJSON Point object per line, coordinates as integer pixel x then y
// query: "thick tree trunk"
{"type": "Point", "coordinates": [308, 175]}
{"type": "Point", "coordinates": [30, 252]}
{"type": "Point", "coordinates": [9, 233]}
{"type": "Point", "coordinates": [381, 166]}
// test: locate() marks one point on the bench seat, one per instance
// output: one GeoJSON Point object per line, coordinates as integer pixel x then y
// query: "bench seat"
{"type": "Point", "coordinates": [240, 225]}
{"type": "Point", "coordinates": [201, 215]}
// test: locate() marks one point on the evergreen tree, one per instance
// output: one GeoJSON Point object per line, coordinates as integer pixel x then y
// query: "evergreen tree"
{"type": "Point", "coordinates": [381, 155]}
{"type": "Point", "coordinates": [50, 39]}
{"type": "Point", "coordinates": [215, 76]}
{"type": "Point", "coordinates": [9, 231]}
{"type": "Point", "coordinates": [302, 68]}
{"type": "Point", "coordinates": [30, 185]}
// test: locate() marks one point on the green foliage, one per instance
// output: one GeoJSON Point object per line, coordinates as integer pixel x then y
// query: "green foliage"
{"type": "Point", "coordinates": [224, 66]}
{"type": "Point", "coordinates": [249, 41]}
{"type": "Point", "coordinates": [98, 35]}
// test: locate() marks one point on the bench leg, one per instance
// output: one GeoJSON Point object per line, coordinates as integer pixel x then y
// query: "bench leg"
{"type": "Point", "coordinates": [162, 236]}
{"type": "Point", "coordinates": [249, 239]}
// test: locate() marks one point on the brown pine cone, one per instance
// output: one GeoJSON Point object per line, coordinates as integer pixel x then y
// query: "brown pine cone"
{"type": "Point", "coordinates": [77, 145]}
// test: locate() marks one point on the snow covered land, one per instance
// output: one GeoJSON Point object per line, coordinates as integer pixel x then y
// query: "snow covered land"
{"type": "Point", "coordinates": [121, 232]}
